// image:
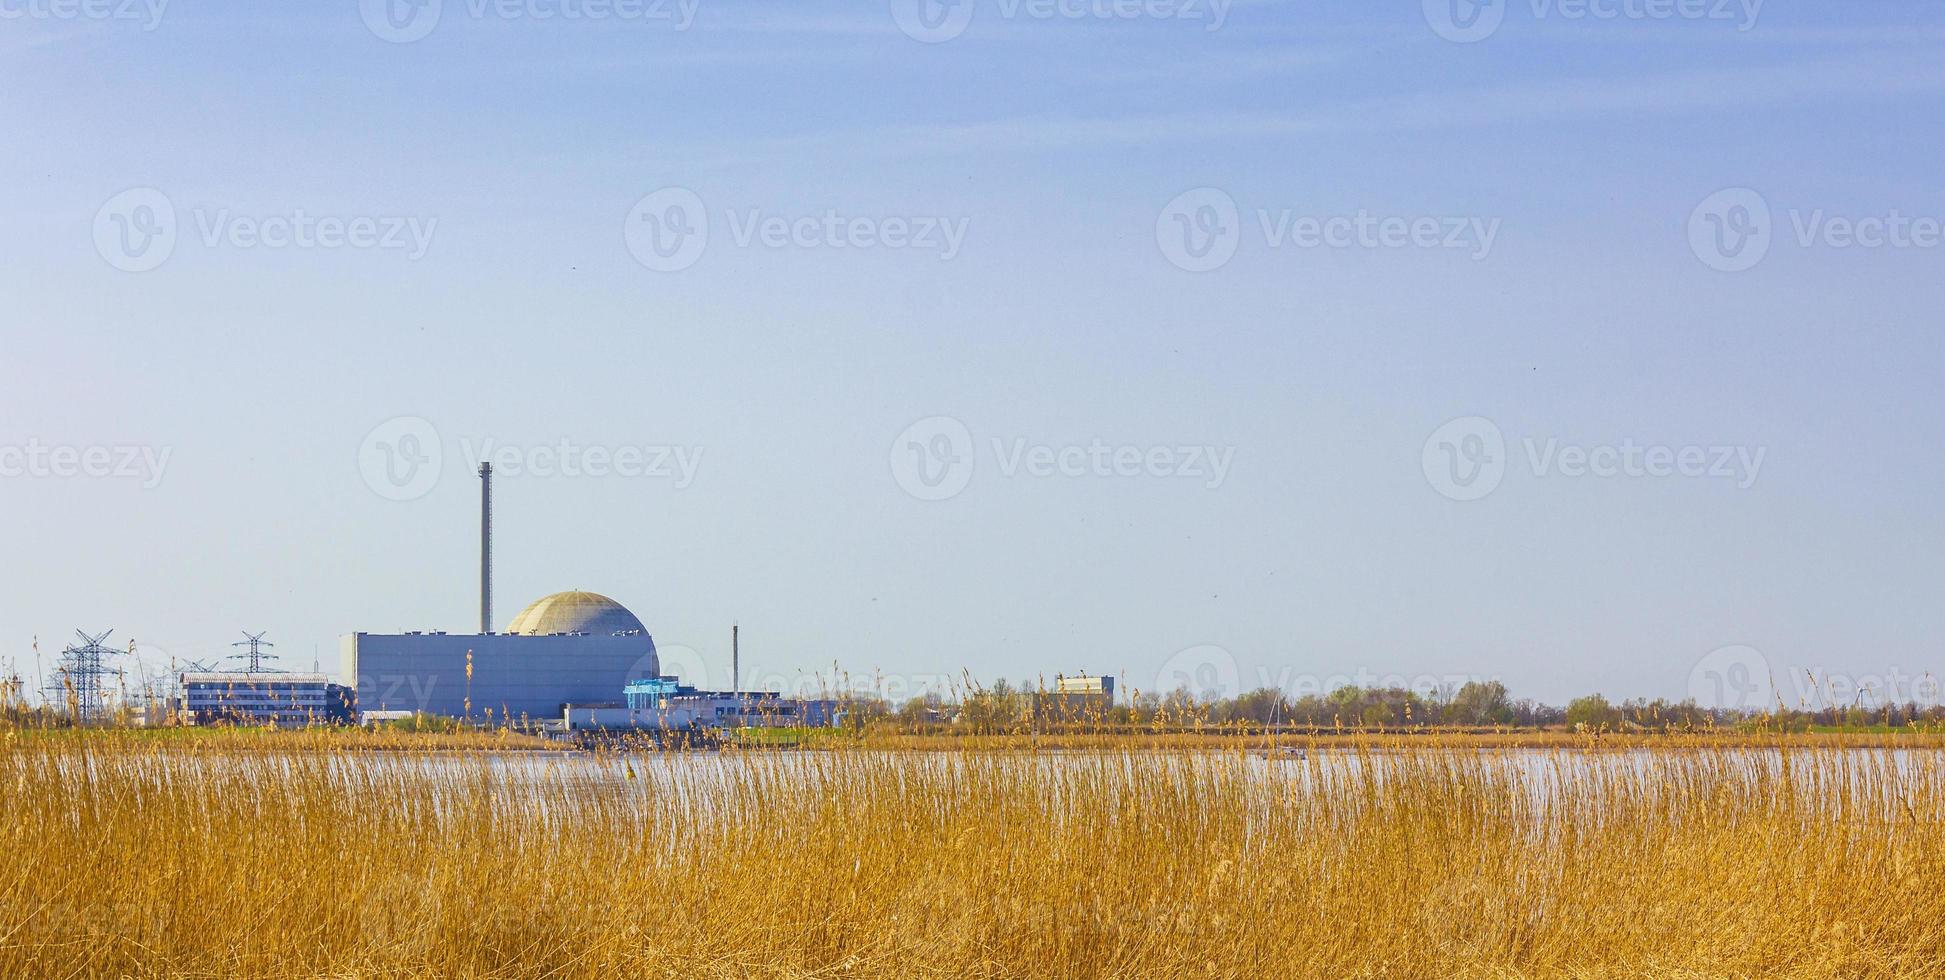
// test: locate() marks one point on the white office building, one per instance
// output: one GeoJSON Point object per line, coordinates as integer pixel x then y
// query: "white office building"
{"type": "Point", "coordinates": [211, 698]}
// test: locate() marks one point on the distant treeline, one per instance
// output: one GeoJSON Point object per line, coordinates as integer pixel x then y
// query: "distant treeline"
{"type": "Point", "coordinates": [1005, 707]}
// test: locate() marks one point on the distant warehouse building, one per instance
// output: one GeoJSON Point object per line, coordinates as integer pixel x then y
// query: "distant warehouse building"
{"type": "Point", "coordinates": [566, 648]}
{"type": "Point", "coordinates": [1076, 699]}
{"type": "Point", "coordinates": [216, 698]}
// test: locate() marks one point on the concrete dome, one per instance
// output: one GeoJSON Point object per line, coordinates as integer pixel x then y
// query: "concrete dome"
{"type": "Point", "coordinates": [575, 612]}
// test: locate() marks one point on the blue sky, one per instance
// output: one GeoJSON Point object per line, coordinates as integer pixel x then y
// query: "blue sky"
{"type": "Point", "coordinates": [1061, 148]}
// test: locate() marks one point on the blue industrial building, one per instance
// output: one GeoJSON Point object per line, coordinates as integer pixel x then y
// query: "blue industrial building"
{"type": "Point", "coordinates": [566, 648]}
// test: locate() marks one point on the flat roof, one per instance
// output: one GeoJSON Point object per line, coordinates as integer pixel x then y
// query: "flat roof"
{"type": "Point", "coordinates": [238, 677]}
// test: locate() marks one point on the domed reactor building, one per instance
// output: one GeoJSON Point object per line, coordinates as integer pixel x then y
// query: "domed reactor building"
{"type": "Point", "coordinates": [566, 648]}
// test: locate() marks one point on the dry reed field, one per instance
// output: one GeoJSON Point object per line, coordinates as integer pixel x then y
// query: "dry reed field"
{"type": "Point", "coordinates": [126, 858]}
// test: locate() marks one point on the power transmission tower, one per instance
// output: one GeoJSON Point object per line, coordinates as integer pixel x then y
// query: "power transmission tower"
{"type": "Point", "coordinates": [256, 656]}
{"type": "Point", "coordinates": [78, 678]}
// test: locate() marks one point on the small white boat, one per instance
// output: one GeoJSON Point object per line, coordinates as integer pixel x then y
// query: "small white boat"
{"type": "Point", "coordinates": [1273, 751]}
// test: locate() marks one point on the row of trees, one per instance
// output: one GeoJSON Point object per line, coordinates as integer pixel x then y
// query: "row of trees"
{"type": "Point", "coordinates": [1594, 711]}
{"type": "Point", "coordinates": [1006, 707]}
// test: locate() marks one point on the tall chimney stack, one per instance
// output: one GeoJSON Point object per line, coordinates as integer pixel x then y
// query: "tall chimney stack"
{"type": "Point", "coordinates": [735, 663]}
{"type": "Point", "coordinates": [486, 547]}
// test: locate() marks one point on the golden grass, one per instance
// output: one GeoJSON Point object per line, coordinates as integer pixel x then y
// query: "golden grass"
{"type": "Point", "coordinates": [1360, 738]}
{"type": "Point", "coordinates": [313, 738]}
{"type": "Point", "coordinates": [173, 859]}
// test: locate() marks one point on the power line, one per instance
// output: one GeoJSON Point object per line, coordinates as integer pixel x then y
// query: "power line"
{"type": "Point", "coordinates": [256, 656]}
{"type": "Point", "coordinates": [80, 672]}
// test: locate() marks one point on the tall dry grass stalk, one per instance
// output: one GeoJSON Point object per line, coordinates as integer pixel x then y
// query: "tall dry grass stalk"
{"type": "Point", "coordinates": [169, 860]}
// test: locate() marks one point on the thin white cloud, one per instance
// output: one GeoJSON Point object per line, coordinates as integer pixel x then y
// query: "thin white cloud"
{"type": "Point", "coordinates": [1217, 64]}
{"type": "Point", "coordinates": [1918, 33]}
{"type": "Point", "coordinates": [1535, 102]}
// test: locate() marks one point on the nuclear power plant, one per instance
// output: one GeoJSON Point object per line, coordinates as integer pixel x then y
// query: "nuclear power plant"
{"type": "Point", "coordinates": [569, 650]}
{"type": "Point", "coordinates": [566, 664]}
{"type": "Point", "coordinates": [566, 648]}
